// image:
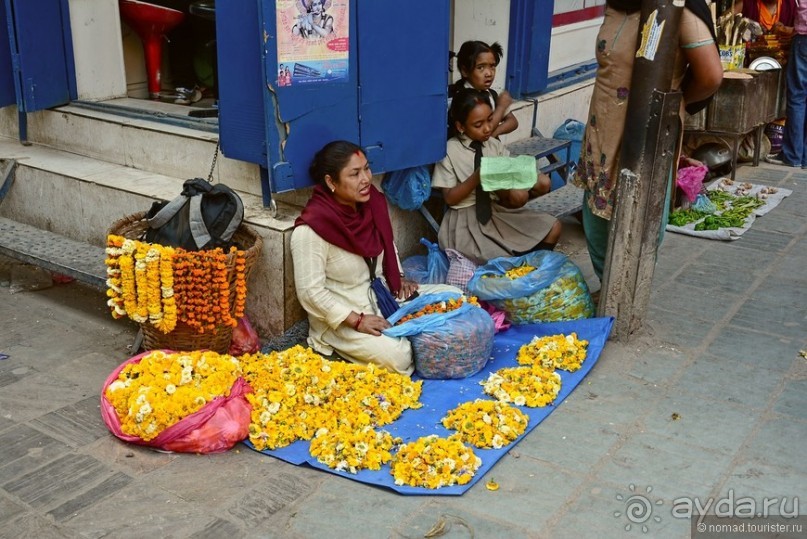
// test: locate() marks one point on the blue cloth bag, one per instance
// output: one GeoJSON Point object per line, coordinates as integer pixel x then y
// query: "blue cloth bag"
{"type": "Point", "coordinates": [408, 188]}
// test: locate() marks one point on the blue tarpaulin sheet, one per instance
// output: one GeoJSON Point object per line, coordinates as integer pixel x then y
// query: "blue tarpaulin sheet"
{"type": "Point", "coordinates": [440, 396]}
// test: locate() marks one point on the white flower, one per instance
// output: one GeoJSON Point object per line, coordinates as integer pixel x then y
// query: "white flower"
{"type": "Point", "coordinates": [170, 389]}
{"type": "Point", "coordinates": [273, 408]}
{"type": "Point", "coordinates": [116, 385]}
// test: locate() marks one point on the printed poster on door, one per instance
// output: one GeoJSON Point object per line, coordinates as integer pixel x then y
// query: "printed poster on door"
{"type": "Point", "coordinates": [312, 41]}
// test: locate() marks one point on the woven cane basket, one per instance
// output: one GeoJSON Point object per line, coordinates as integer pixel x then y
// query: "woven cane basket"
{"type": "Point", "coordinates": [184, 337]}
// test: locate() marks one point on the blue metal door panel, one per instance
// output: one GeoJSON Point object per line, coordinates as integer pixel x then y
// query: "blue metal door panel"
{"type": "Point", "coordinates": [7, 95]}
{"type": "Point", "coordinates": [239, 81]}
{"type": "Point", "coordinates": [42, 45]}
{"type": "Point", "coordinates": [403, 81]}
{"type": "Point", "coordinates": [528, 46]}
{"type": "Point", "coordinates": [318, 103]}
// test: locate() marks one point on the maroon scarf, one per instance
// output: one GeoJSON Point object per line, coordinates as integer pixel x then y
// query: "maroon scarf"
{"type": "Point", "coordinates": [365, 231]}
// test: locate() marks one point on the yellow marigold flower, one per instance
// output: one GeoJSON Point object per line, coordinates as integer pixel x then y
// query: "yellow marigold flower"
{"type": "Point", "coordinates": [162, 389]}
{"type": "Point", "coordinates": [565, 352]}
{"type": "Point", "coordinates": [486, 423]}
{"type": "Point", "coordinates": [433, 462]}
{"type": "Point", "coordinates": [535, 386]}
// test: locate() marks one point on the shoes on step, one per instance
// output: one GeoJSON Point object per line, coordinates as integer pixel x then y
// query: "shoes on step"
{"type": "Point", "coordinates": [188, 96]}
{"type": "Point", "coordinates": [778, 159]}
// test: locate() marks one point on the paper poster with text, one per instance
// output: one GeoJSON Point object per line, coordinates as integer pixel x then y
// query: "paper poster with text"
{"type": "Point", "coordinates": [312, 41]}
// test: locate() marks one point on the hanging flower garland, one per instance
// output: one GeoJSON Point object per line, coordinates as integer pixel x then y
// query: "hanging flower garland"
{"type": "Point", "coordinates": [113, 282]}
{"type": "Point", "coordinates": [486, 423]}
{"type": "Point", "coordinates": [162, 285]}
{"type": "Point", "coordinates": [163, 388]}
{"type": "Point", "coordinates": [533, 386]}
{"type": "Point", "coordinates": [565, 352]}
{"type": "Point", "coordinates": [434, 462]}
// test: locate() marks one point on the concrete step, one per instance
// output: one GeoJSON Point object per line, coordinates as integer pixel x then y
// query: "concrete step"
{"type": "Point", "coordinates": [80, 197]}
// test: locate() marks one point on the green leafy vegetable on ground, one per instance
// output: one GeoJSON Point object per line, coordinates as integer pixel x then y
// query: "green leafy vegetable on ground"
{"type": "Point", "coordinates": [683, 217]}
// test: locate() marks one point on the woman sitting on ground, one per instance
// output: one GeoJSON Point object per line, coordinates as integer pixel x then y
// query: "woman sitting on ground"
{"type": "Point", "coordinates": [343, 231]}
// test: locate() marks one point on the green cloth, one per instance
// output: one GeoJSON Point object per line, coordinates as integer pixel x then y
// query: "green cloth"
{"type": "Point", "coordinates": [519, 172]}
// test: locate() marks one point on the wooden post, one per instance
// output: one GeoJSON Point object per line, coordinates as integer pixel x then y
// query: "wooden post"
{"type": "Point", "coordinates": [651, 134]}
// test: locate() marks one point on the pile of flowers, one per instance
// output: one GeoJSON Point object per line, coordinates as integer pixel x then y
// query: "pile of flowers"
{"type": "Point", "coordinates": [565, 352]}
{"type": "Point", "coordinates": [486, 423]}
{"type": "Point", "coordinates": [163, 388]}
{"type": "Point", "coordinates": [163, 286]}
{"type": "Point", "coordinates": [348, 449]}
{"type": "Point", "coordinates": [440, 307]}
{"type": "Point", "coordinates": [533, 386]}
{"type": "Point", "coordinates": [433, 462]}
{"type": "Point", "coordinates": [513, 273]}
{"type": "Point", "coordinates": [296, 393]}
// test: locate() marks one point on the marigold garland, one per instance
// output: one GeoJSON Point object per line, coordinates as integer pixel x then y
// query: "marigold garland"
{"type": "Point", "coordinates": [163, 388]}
{"type": "Point", "coordinates": [297, 392]}
{"type": "Point", "coordinates": [533, 386]}
{"type": "Point", "coordinates": [434, 462]}
{"type": "Point", "coordinates": [163, 286]}
{"type": "Point", "coordinates": [486, 423]}
{"type": "Point", "coordinates": [565, 352]}
{"type": "Point", "coordinates": [347, 449]}
{"type": "Point", "coordinates": [114, 286]}
{"type": "Point", "coordinates": [440, 307]}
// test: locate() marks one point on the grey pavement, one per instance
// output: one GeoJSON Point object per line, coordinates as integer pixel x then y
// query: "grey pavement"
{"type": "Point", "coordinates": [707, 402]}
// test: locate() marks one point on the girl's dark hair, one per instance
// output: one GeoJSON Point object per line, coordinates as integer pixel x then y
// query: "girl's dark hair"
{"type": "Point", "coordinates": [466, 59]}
{"type": "Point", "coordinates": [331, 159]}
{"type": "Point", "coordinates": [464, 101]}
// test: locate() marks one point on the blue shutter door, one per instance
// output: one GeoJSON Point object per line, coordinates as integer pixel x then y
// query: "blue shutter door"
{"type": "Point", "coordinates": [319, 102]}
{"type": "Point", "coordinates": [239, 81]}
{"type": "Point", "coordinates": [7, 94]}
{"type": "Point", "coordinates": [403, 81]}
{"type": "Point", "coordinates": [42, 43]}
{"type": "Point", "coordinates": [528, 47]}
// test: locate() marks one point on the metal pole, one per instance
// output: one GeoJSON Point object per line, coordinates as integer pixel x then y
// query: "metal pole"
{"type": "Point", "coordinates": [651, 134]}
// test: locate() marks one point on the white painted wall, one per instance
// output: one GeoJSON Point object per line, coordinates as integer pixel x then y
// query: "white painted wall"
{"type": "Point", "coordinates": [573, 44]}
{"type": "Point", "coordinates": [489, 20]}
{"type": "Point", "coordinates": [97, 49]}
{"type": "Point", "coordinates": [484, 20]}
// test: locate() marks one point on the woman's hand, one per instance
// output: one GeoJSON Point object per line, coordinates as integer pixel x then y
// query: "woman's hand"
{"type": "Point", "coordinates": [407, 289]}
{"type": "Point", "coordinates": [372, 324]}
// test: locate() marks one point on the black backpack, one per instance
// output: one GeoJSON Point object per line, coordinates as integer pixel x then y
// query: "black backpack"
{"type": "Point", "coordinates": [203, 216]}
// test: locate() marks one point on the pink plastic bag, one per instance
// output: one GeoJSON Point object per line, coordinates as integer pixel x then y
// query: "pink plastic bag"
{"type": "Point", "coordinates": [217, 427]}
{"type": "Point", "coordinates": [499, 321]}
{"type": "Point", "coordinates": [690, 180]}
{"type": "Point", "coordinates": [245, 339]}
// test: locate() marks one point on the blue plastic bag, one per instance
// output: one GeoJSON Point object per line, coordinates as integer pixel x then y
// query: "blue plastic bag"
{"type": "Point", "coordinates": [570, 130]}
{"type": "Point", "coordinates": [436, 263]}
{"type": "Point", "coordinates": [554, 291]}
{"type": "Point", "coordinates": [415, 268]}
{"type": "Point", "coordinates": [450, 345]}
{"type": "Point", "coordinates": [408, 188]}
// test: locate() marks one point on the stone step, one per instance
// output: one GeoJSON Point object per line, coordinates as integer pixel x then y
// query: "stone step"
{"type": "Point", "coordinates": [79, 198]}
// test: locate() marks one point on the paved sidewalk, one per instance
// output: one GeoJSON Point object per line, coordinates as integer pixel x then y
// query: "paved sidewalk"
{"type": "Point", "coordinates": [709, 401]}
